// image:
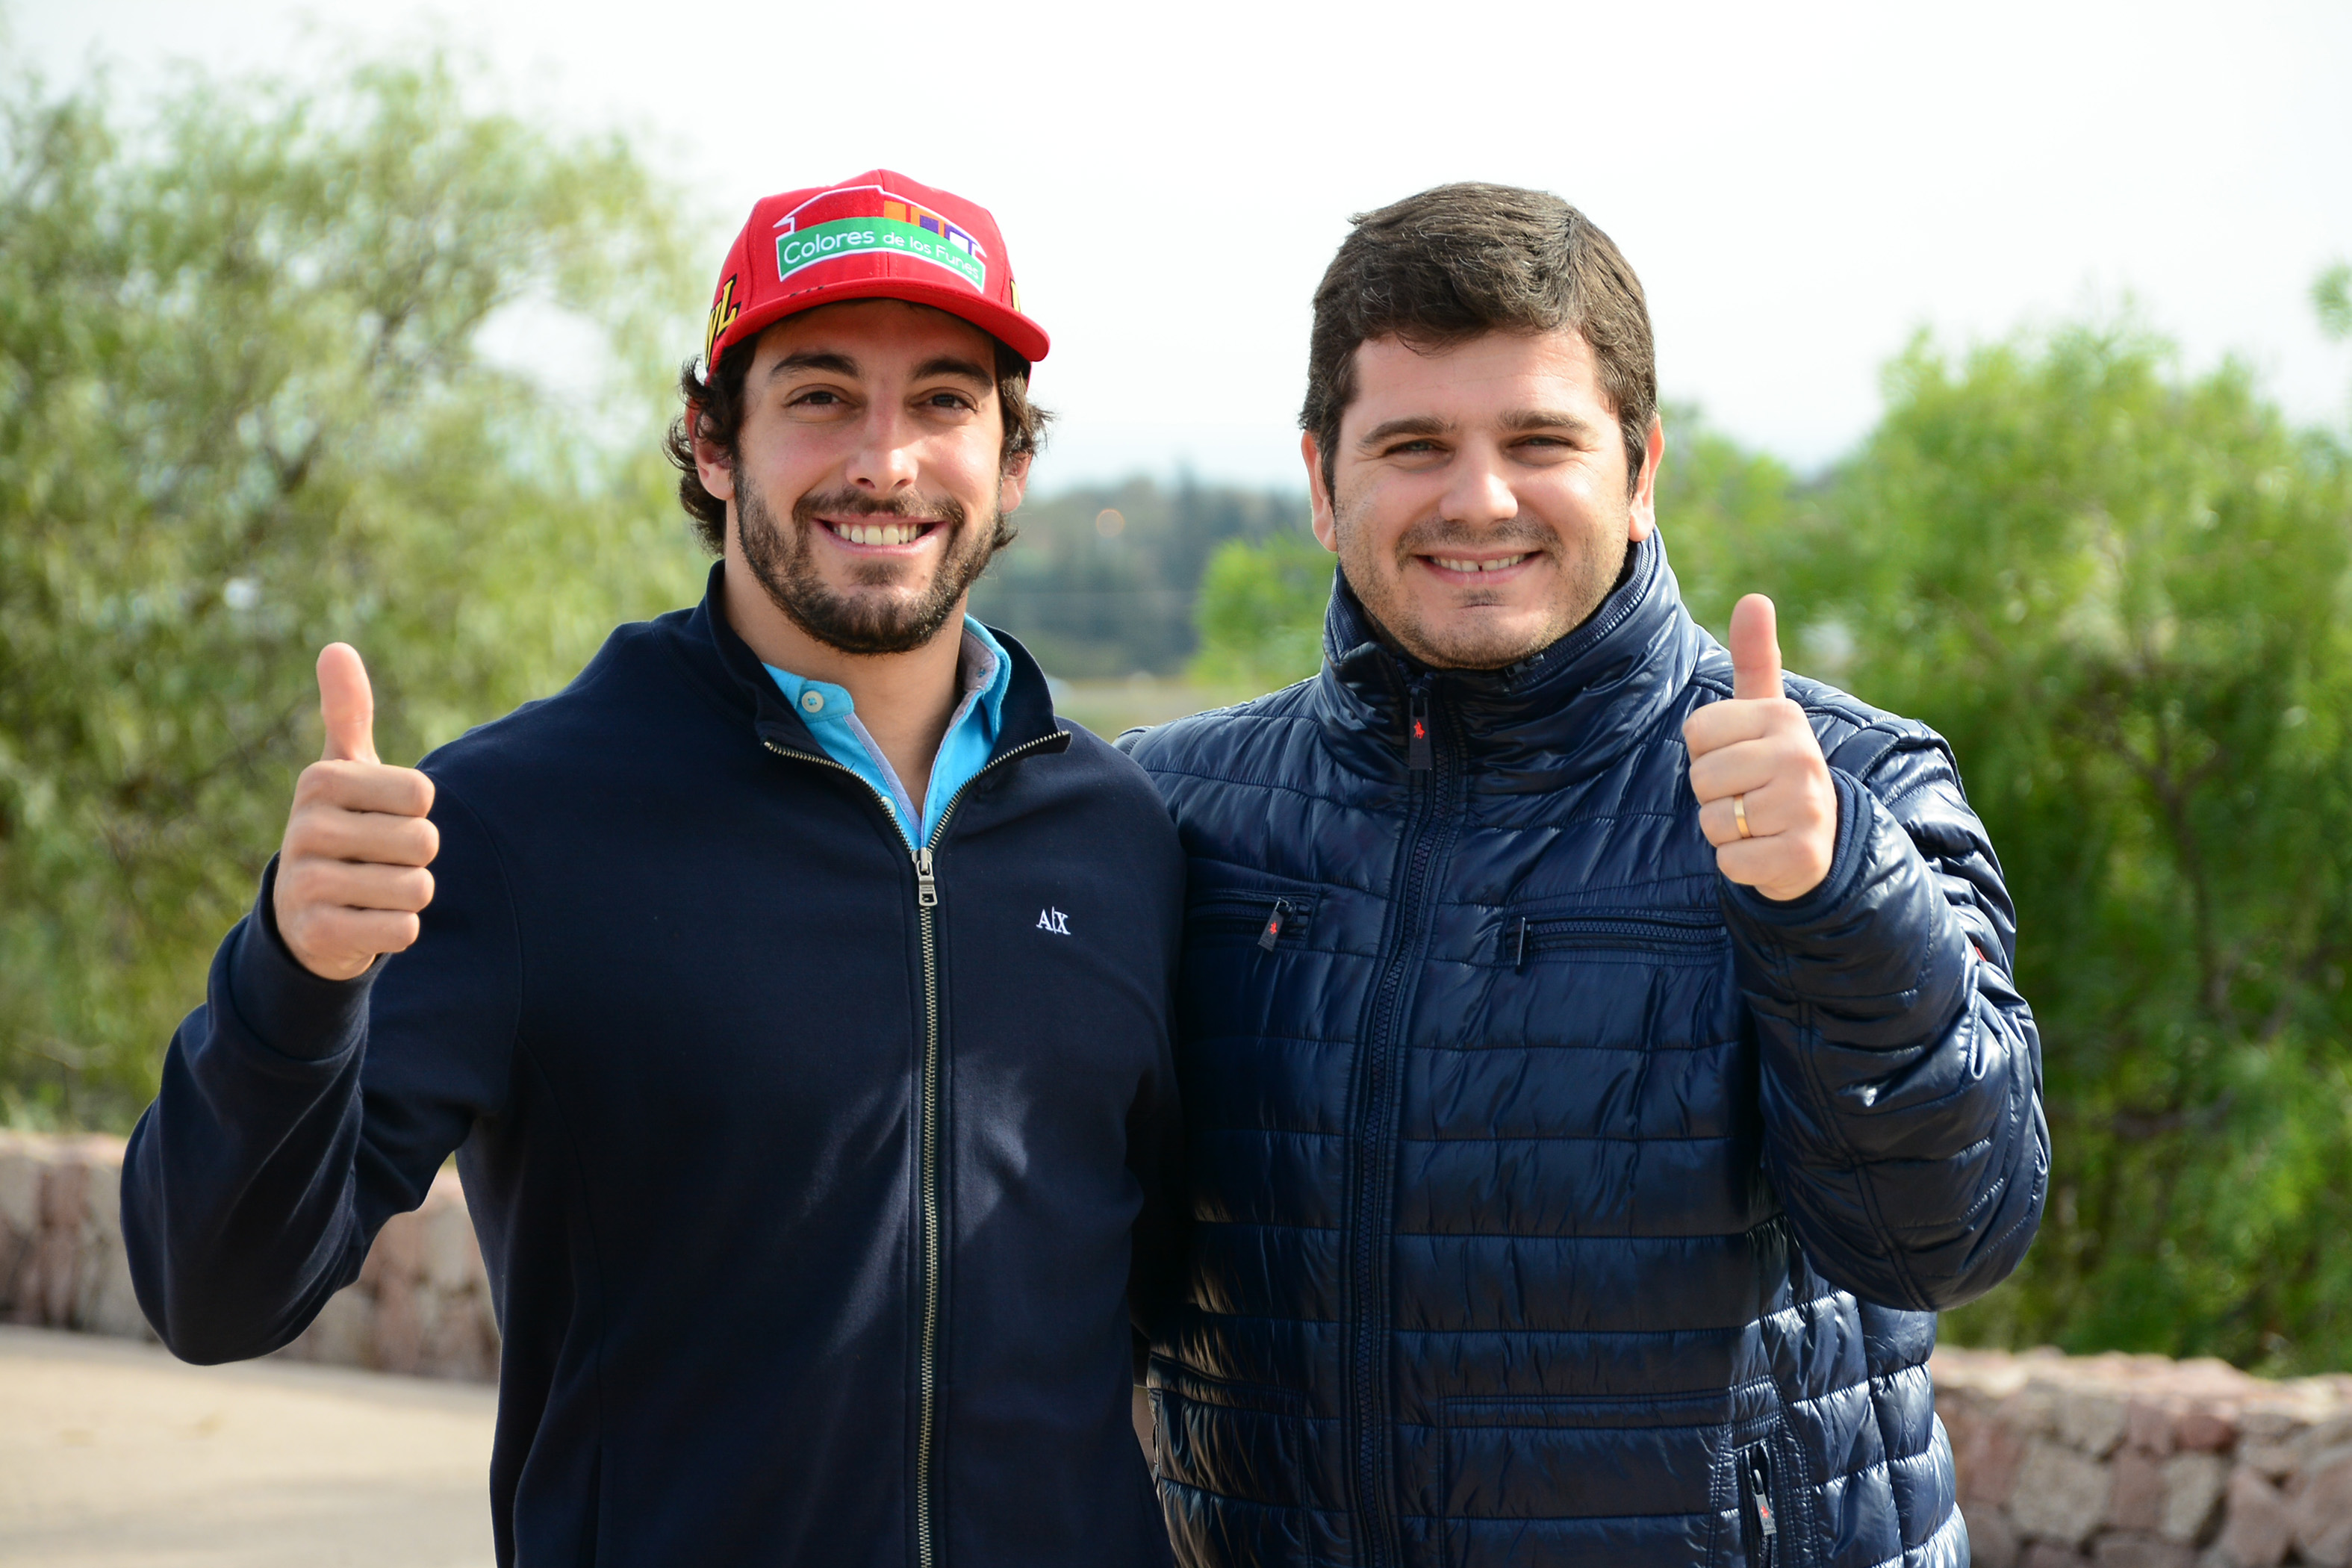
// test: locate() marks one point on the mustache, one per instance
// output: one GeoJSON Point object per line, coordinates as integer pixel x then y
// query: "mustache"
{"type": "Point", "coordinates": [906, 507]}
{"type": "Point", "coordinates": [1434, 536]}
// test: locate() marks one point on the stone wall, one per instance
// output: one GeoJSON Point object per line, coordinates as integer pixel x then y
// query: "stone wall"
{"type": "Point", "coordinates": [2137, 1460]}
{"type": "Point", "coordinates": [421, 1304]}
{"type": "Point", "coordinates": [61, 1259]}
{"type": "Point", "coordinates": [2124, 1461]}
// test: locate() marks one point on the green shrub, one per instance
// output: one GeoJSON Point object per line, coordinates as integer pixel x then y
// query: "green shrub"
{"type": "Point", "coordinates": [244, 412]}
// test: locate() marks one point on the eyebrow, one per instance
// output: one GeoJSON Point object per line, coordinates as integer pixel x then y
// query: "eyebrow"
{"type": "Point", "coordinates": [961, 369]}
{"type": "Point", "coordinates": [815, 359]}
{"type": "Point", "coordinates": [1410, 424]}
{"type": "Point", "coordinates": [834, 362]}
{"type": "Point", "coordinates": [1522, 420]}
{"type": "Point", "coordinates": [1518, 421]}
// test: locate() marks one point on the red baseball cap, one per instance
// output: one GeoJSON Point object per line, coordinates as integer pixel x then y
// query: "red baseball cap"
{"type": "Point", "coordinates": [877, 235]}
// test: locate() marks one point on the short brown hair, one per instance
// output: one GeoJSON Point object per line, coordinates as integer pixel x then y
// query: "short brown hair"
{"type": "Point", "coordinates": [717, 407]}
{"type": "Point", "coordinates": [1458, 261]}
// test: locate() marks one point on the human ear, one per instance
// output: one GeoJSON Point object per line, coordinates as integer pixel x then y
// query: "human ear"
{"type": "Point", "coordinates": [1643, 520]}
{"type": "Point", "coordinates": [1327, 523]}
{"type": "Point", "coordinates": [711, 463]}
{"type": "Point", "coordinates": [1014, 483]}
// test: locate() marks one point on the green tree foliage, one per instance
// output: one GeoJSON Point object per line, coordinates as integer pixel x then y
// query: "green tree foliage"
{"type": "Point", "coordinates": [1725, 513]}
{"type": "Point", "coordinates": [245, 411]}
{"type": "Point", "coordinates": [1102, 582]}
{"type": "Point", "coordinates": [1260, 612]}
{"type": "Point", "coordinates": [2331, 295]}
{"type": "Point", "coordinates": [2122, 595]}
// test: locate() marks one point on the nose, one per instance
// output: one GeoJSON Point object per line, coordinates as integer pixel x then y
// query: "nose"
{"type": "Point", "coordinates": [1478, 492]}
{"type": "Point", "coordinates": [884, 461]}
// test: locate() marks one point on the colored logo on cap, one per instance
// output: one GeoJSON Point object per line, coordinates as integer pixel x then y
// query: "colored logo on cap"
{"type": "Point", "coordinates": [723, 311]}
{"type": "Point", "coordinates": [866, 220]}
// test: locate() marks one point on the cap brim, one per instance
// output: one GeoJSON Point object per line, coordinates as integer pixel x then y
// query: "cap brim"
{"type": "Point", "coordinates": [1016, 332]}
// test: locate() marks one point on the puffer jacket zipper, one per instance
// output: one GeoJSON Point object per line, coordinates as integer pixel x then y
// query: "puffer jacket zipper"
{"type": "Point", "coordinates": [1760, 1518]}
{"type": "Point", "coordinates": [1428, 769]}
{"type": "Point", "coordinates": [1621, 929]}
{"type": "Point", "coordinates": [1276, 920]}
{"type": "Point", "coordinates": [930, 1187]}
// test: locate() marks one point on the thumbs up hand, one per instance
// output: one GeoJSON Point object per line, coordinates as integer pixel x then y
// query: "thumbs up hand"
{"type": "Point", "coordinates": [1764, 799]}
{"type": "Point", "coordinates": [350, 876]}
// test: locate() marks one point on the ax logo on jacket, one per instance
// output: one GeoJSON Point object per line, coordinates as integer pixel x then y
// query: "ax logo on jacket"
{"type": "Point", "coordinates": [1054, 921]}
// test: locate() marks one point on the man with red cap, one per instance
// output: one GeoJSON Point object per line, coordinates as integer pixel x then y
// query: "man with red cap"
{"type": "Point", "coordinates": [793, 989]}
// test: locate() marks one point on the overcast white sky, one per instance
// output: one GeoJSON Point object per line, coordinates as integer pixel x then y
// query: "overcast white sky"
{"type": "Point", "coordinates": [1800, 186]}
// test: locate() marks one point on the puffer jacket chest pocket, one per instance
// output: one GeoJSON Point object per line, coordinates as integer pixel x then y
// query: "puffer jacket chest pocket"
{"type": "Point", "coordinates": [1536, 1482]}
{"type": "Point", "coordinates": [1674, 937]}
{"type": "Point", "coordinates": [1268, 919]}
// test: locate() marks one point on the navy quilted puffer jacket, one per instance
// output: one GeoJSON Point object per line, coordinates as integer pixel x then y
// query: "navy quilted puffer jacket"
{"type": "Point", "coordinates": [1555, 1201]}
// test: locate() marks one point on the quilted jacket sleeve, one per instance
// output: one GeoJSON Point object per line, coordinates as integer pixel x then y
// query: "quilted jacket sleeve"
{"type": "Point", "coordinates": [1901, 1075]}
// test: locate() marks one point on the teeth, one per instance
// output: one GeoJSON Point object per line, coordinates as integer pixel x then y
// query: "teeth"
{"type": "Point", "coordinates": [1451, 566]}
{"type": "Point", "coordinates": [880, 532]}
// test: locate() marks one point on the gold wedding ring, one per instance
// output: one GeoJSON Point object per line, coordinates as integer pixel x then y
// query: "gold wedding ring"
{"type": "Point", "coordinates": [1739, 816]}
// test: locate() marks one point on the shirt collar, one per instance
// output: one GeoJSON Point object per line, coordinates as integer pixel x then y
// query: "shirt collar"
{"type": "Point", "coordinates": [983, 674]}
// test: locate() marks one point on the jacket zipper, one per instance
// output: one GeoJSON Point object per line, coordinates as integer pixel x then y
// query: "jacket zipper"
{"type": "Point", "coordinates": [1374, 1174]}
{"type": "Point", "coordinates": [1418, 754]}
{"type": "Point", "coordinates": [1618, 929]}
{"type": "Point", "coordinates": [926, 899]}
{"type": "Point", "coordinates": [1756, 1493]}
{"type": "Point", "coordinates": [1272, 918]}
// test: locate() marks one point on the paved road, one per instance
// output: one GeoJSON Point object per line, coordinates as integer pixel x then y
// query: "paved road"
{"type": "Point", "coordinates": [112, 1455]}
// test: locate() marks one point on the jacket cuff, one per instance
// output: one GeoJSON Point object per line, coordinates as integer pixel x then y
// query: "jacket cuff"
{"type": "Point", "coordinates": [284, 1007]}
{"type": "Point", "coordinates": [1874, 949]}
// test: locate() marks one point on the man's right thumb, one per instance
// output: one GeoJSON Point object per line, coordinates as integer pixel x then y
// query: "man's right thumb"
{"type": "Point", "coordinates": [347, 705]}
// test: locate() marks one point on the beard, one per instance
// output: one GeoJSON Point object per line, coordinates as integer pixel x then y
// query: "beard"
{"type": "Point", "coordinates": [883, 618]}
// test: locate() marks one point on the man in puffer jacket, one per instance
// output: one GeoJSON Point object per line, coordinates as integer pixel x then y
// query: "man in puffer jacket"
{"type": "Point", "coordinates": [1599, 1054]}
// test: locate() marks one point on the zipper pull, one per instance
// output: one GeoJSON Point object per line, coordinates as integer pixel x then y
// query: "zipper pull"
{"type": "Point", "coordinates": [1273, 932]}
{"type": "Point", "coordinates": [1760, 1486]}
{"type": "Point", "coordinates": [1417, 757]}
{"type": "Point", "coordinates": [1520, 962]}
{"type": "Point", "coordinates": [927, 886]}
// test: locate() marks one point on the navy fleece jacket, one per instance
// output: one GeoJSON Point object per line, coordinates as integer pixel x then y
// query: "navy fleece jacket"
{"type": "Point", "coordinates": [811, 1212]}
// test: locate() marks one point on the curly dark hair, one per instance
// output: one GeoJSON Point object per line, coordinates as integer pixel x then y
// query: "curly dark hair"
{"type": "Point", "coordinates": [718, 408]}
{"type": "Point", "coordinates": [1458, 261]}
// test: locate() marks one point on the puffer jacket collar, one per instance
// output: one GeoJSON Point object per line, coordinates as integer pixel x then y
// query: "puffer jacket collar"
{"type": "Point", "coordinates": [1560, 715]}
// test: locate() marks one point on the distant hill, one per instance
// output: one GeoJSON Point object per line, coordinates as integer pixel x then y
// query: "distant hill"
{"type": "Point", "coordinates": [1101, 582]}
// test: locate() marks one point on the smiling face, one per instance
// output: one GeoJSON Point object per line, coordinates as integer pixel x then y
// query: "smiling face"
{"type": "Point", "coordinates": [876, 425]}
{"type": "Point", "coordinates": [1479, 504]}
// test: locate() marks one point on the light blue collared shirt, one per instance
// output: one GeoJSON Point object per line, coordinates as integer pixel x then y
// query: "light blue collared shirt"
{"type": "Point", "coordinates": [983, 671]}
